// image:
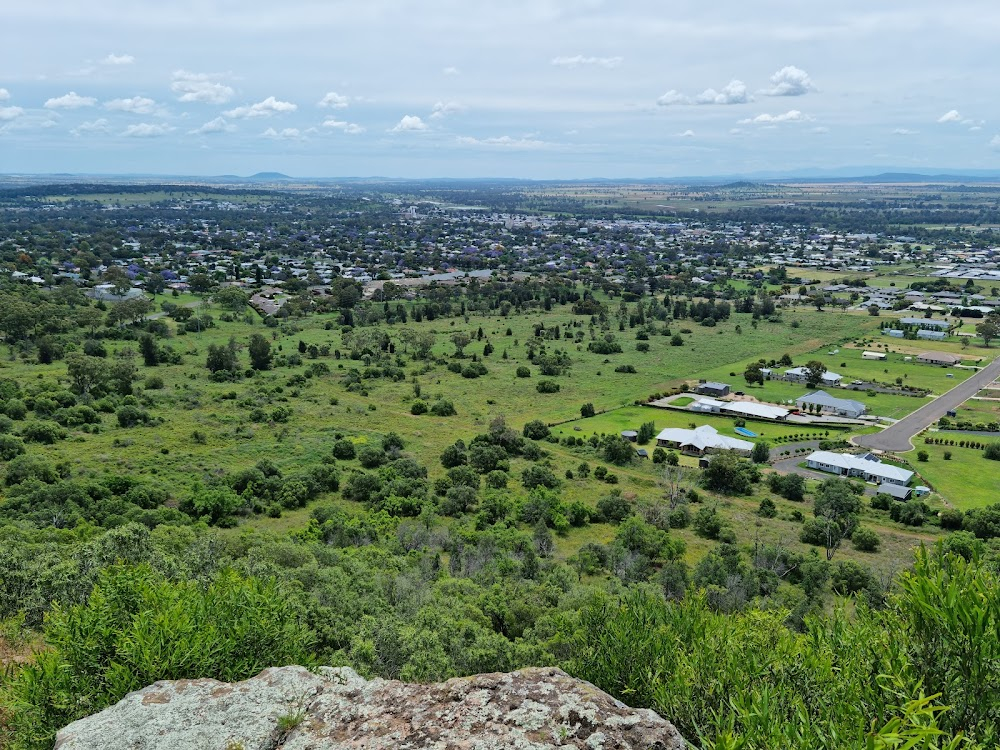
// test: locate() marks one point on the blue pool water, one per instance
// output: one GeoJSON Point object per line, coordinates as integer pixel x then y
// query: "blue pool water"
{"type": "Point", "coordinates": [744, 432]}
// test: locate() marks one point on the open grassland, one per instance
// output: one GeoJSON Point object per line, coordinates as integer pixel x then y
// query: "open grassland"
{"type": "Point", "coordinates": [207, 430]}
{"type": "Point", "coordinates": [967, 480]}
{"type": "Point", "coordinates": [190, 401]}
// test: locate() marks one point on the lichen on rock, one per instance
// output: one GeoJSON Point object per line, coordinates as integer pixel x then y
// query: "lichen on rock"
{"type": "Point", "coordinates": [291, 708]}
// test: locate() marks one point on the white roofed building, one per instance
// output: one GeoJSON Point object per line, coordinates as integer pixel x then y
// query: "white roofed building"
{"type": "Point", "coordinates": [701, 440]}
{"type": "Point", "coordinates": [868, 468]}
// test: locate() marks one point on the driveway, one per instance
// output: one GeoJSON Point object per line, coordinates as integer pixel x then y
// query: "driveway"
{"type": "Point", "coordinates": [897, 437]}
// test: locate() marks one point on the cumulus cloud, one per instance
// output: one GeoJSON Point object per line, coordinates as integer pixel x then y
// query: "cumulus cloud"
{"type": "Point", "coordinates": [146, 130]}
{"type": "Point", "coordinates": [139, 105]}
{"type": "Point", "coordinates": [735, 92]}
{"type": "Point", "coordinates": [443, 109]}
{"type": "Point", "coordinates": [792, 115]}
{"type": "Point", "coordinates": [954, 116]}
{"type": "Point", "coordinates": [203, 88]}
{"type": "Point", "coordinates": [409, 124]}
{"type": "Point", "coordinates": [349, 128]}
{"type": "Point", "coordinates": [266, 108]}
{"type": "Point", "coordinates": [93, 127]}
{"type": "Point", "coordinates": [673, 97]}
{"type": "Point", "coordinates": [504, 142]}
{"type": "Point", "coordinates": [114, 59]}
{"type": "Point", "coordinates": [686, 134]}
{"type": "Point", "coordinates": [820, 130]}
{"type": "Point", "coordinates": [218, 125]}
{"type": "Point", "coordinates": [995, 142]}
{"type": "Point", "coordinates": [72, 100]}
{"type": "Point", "coordinates": [10, 113]}
{"type": "Point", "coordinates": [286, 134]}
{"type": "Point", "coordinates": [789, 81]}
{"type": "Point", "coordinates": [451, 70]}
{"type": "Point", "coordinates": [904, 131]}
{"type": "Point", "coordinates": [4, 95]}
{"type": "Point", "coordinates": [577, 61]}
{"type": "Point", "coordinates": [333, 100]}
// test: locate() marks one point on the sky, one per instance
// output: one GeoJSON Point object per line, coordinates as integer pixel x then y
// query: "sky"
{"type": "Point", "coordinates": [543, 89]}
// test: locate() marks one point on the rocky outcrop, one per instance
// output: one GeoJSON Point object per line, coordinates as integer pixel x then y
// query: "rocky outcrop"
{"type": "Point", "coordinates": [291, 708]}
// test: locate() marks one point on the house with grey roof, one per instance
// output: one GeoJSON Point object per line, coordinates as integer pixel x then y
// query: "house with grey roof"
{"type": "Point", "coordinates": [866, 467]}
{"type": "Point", "coordinates": [827, 404]}
{"type": "Point", "coordinates": [928, 323]}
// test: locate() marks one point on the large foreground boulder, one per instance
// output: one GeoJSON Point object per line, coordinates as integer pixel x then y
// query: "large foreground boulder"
{"type": "Point", "coordinates": [292, 708]}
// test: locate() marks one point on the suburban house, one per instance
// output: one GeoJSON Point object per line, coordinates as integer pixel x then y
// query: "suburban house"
{"type": "Point", "coordinates": [712, 389]}
{"type": "Point", "coordinates": [739, 409]}
{"type": "Point", "coordinates": [941, 359]}
{"type": "Point", "coordinates": [702, 440]}
{"type": "Point", "coordinates": [867, 467]}
{"type": "Point", "coordinates": [941, 325]}
{"type": "Point", "coordinates": [841, 407]}
{"type": "Point", "coordinates": [879, 356]}
{"type": "Point", "coordinates": [931, 335]}
{"type": "Point", "coordinates": [801, 375]}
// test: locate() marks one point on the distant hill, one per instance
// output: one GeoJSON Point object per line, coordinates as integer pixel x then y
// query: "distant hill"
{"type": "Point", "coordinates": [269, 176]}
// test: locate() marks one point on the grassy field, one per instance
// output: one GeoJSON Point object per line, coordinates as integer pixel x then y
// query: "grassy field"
{"type": "Point", "coordinates": [967, 480]}
{"type": "Point", "coordinates": [322, 408]}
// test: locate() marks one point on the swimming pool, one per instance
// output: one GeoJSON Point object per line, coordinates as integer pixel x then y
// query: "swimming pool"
{"type": "Point", "coordinates": [744, 432]}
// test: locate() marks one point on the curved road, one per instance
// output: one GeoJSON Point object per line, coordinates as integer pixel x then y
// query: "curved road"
{"type": "Point", "coordinates": [896, 438]}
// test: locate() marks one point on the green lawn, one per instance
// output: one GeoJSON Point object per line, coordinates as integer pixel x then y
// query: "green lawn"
{"type": "Point", "coordinates": [966, 481]}
{"type": "Point", "coordinates": [629, 418]}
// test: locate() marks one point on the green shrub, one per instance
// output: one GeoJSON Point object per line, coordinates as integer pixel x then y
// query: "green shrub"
{"type": "Point", "coordinates": [137, 628]}
{"type": "Point", "coordinates": [865, 540]}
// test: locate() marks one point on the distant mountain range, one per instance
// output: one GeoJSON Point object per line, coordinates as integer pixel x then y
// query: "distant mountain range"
{"type": "Point", "coordinates": [814, 174]}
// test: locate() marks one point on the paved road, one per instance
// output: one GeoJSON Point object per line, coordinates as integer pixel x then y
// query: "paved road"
{"type": "Point", "coordinates": [897, 437]}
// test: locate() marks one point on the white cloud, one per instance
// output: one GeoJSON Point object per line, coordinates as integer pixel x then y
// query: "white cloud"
{"type": "Point", "coordinates": [349, 128]}
{"type": "Point", "coordinates": [736, 131]}
{"type": "Point", "coordinates": [820, 129]}
{"type": "Point", "coordinates": [409, 124]}
{"type": "Point", "coordinates": [72, 100]}
{"type": "Point", "coordinates": [4, 95]}
{"type": "Point", "coordinates": [286, 134]}
{"type": "Point", "coordinates": [451, 70]}
{"type": "Point", "coordinates": [579, 60]}
{"type": "Point", "coordinates": [505, 142]}
{"type": "Point", "coordinates": [203, 88]}
{"type": "Point", "coordinates": [443, 109]}
{"type": "Point", "coordinates": [218, 125]}
{"type": "Point", "coordinates": [789, 81]}
{"type": "Point", "coordinates": [139, 105]}
{"type": "Point", "coordinates": [10, 113]}
{"type": "Point", "coordinates": [146, 130]}
{"type": "Point", "coordinates": [995, 142]}
{"type": "Point", "coordinates": [950, 116]}
{"type": "Point", "coordinates": [114, 59]}
{"type": "Point", "coordinates": [333, 100]}
{"type": "Point", "coordinates": [904, 131]}
{"type": "Point", "coordinates": [735, 92]}
{"type": "Point", "coordinates": [266, 108]}
{"type": "Point", "coordinates": [673, 97]}
{"type": "Point", "coordinates": [686, 134]}
{"type": "Point", "coordinates": [94, 126]}
{"type": "Point", "coordinates": [792, 115]}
